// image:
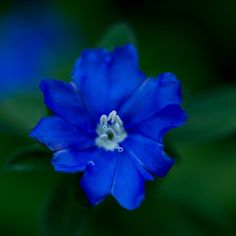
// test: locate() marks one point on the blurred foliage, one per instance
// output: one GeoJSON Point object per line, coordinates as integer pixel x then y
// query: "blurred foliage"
{"type": "Point", "coordinates": [194, 40]}
{"type": "Point", "coordinates": [117, 35]}
{"type": "Point", "coordinates": [29, 158]}
{"type": "Point", "coordinates": [61, 216]}
{"type": "Point", "coordinates": [212, 115]}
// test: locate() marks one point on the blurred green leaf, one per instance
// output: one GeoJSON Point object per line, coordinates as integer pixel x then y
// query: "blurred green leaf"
{"type": "Point", "coordinates": [22, 111]}
{"type": "Point", "coordinates": [159, 214]}
{"type": "Point", "coordinates": [10, 140]}
{"type": "Point", "coordinates": [30, 158]}
{"type": "Point", "coordinates": [170, 149]}
{"type": "Point", "coordinates": [62, 217]}
{"type": "Point", "coordinates": [205, 181]}
{"type": "Point", "coordinates": [118, 35]}
{"type": "Point", "coordinates": [78, 196]}
{"type": "Point", "coordinates": [175, 46]}
{"type": "Point", "coordinates": [211, 116]}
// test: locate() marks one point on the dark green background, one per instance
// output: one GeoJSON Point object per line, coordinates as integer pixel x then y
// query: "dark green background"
{"type": "Point", "coordinates": [196, 41]}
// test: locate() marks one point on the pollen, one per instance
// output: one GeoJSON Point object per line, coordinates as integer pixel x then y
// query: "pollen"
{"type": "Point", "coordinates": [110, 132]}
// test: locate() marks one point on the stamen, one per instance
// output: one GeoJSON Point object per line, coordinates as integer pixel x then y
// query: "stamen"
{"type": "Point", "coordinates": [119, 121]}
{"type": "Point", "coordinates": [103, 136]}
{"type": "Point", "coordinates": [91, 163]}
{"type": "Point", "coordinates": [119, 148]}
{"type": "Point", "coordinates": [117, 127]}
{"type": "Point", "coordinates": [110, 132]}
{"type": "Point", "coordinates": [103, 119]}
{"type": "Point", "coordinates": [112, 117]}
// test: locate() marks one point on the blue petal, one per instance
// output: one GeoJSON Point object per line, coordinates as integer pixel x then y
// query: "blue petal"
{"type": "Point", "coordinates": [117, 174]}
{"type": "Point", "coordinates": [150, 154]}
{"type": "Point", "coordinates": [125, 76]}
{"type": "Point", "coordinates": [99, 175]}
{"type": "Point", "coordinates": [105, 79]}
{"type": "Point", "coordinates": [63, 99]}
{"type": "Point", "coordinates": [156, 127]}
{"type": "Point", "coordinates": [90, 74]}
{"type": "Point", "coordinates": [139, 165]}
{"type": "Point", "coordinates": [152, 96]}
{"type": "Point", "coordinates": [72, 161]}
{"type": "Point", "coordinates": [128, 185]}
{"type": "Point", "coordinates": [58, 134]}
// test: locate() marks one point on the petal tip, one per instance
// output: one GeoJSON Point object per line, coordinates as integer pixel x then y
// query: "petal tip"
{"type": "Point", "coordinates": [128, 50]}
{"type": "Point", "coordinates": [168, 78]}
{"type": "Point", "coordinates": [135, 204]}
{"type": "Point", "coordinates": [32, 133]}
{"type": "Point", "coordinates": [42, 85]}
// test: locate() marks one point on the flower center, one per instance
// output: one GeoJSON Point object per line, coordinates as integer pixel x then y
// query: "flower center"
{"type": "Point", "coordinates": [110, 132]}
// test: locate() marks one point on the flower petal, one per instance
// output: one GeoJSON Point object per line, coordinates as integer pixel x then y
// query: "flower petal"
{"type": "Point", "coordinates": [63, 99]}
{"type": "Point", "coordinates": [98, 177]}
{"type": "Point", "coordinates": [150, 154]}
{"type": "Point", "coordinates": [152, 96]}
{"type": "Point", "coordinates": [156, 127]}
{"type": "Point", "coordinates": [57, 134]}
{"type": "Point", "coordinates": [117, 174]}
{"type": "Point", "coordinates": [125, 75]}
{"type": "Point", "coordinates": [72, 161]}
{"type": "Point", "coordinates": [128, 185]}
{"type": "Point", "coordinates": [105, 79]}
{"type": "Point", "coordinates": [90, 74]}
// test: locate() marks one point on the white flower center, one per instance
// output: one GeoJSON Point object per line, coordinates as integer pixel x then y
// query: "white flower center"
{"type": "Point", "coordinates": [110, 132]}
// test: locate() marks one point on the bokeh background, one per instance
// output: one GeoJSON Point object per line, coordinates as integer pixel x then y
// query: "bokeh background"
{"type": "Point", "coordinates": [193, 39]}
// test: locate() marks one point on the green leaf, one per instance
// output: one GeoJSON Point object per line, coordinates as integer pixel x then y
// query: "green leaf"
{"type": "Point", "coordinates": [22, 111]}
{"type": "Point", "coordinates": [78, 196]}
{"type": "Point", "coordinates": [118, 35]}
{"type": "Point", "coordinates": [11, 139]}
{"type": "Point", "coordinates": [170, 149]}
{"type": "Point", "coordinates": [30, 158]}
{"type": "Point", "coordinates": [62, 217]}
{"type": "Point", "coordinates": [211, 116]}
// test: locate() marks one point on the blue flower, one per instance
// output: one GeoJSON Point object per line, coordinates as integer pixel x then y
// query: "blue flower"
{"type": "Point", "coordinates": [109, 123]}
{"type": "Point", "coordinates": [29, 43]}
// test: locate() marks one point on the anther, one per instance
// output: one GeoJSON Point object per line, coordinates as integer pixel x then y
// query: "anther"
{"type": "Point", "coordinates": [117, 127]}
{"type": "Point", "coordinates": [91, 163]}
{"type": "Point", "coordinates": [119, 148]}
{"type": "Point", "coordinates": [103, 119]}
{"type": "Point", "coordinates": [112, 117]}
{"type": "Point", "coordinates": [119, 121]}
